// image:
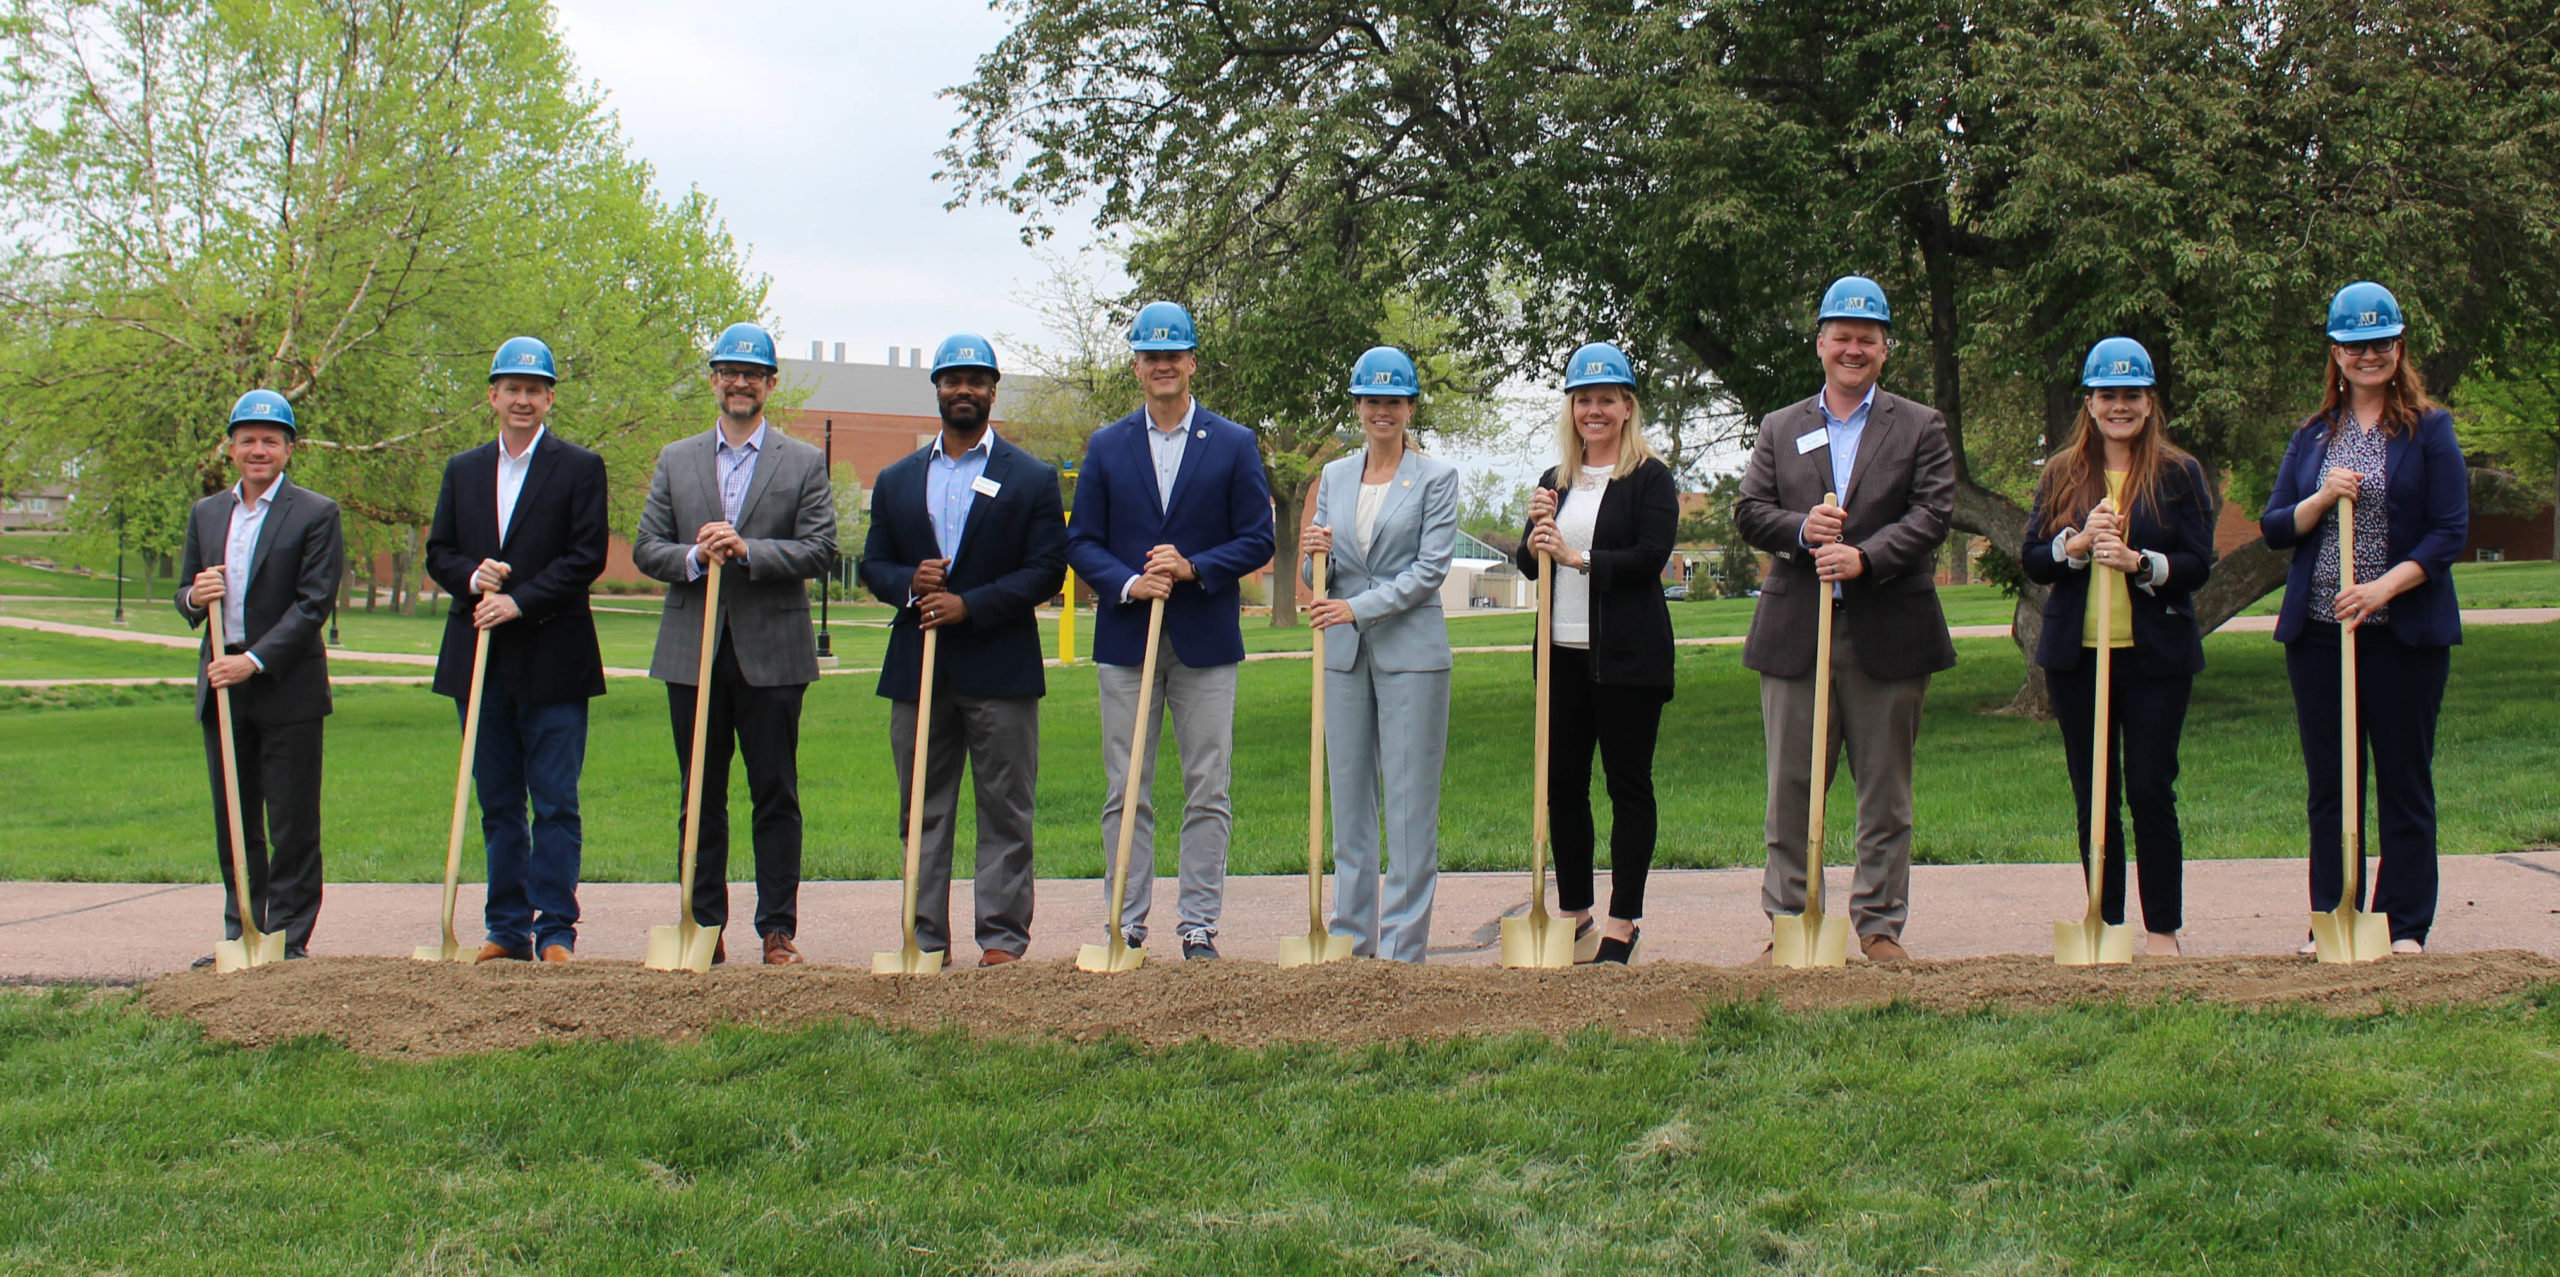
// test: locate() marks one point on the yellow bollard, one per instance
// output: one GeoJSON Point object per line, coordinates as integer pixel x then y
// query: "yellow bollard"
{"type": "Point", "coordinates": [1067, 623]}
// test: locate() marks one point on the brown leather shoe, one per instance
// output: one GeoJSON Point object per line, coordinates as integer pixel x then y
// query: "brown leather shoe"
{"type": "Point", "coordinates": [998, 957]}
{"type": "Point", "coordinates": [493, 951]}
{"type": "Point", "coordinates": [1885, 949]}
{"type": "Point", "coordinates": [556, 953]}
{"type": "Point", "coordinates": [778, 951]}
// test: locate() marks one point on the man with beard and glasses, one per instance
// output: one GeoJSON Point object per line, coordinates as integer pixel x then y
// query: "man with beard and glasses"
{"type": "Point", "coordinates": [968, 537]}
{"type": "Point", "coordinates": [746, 499]}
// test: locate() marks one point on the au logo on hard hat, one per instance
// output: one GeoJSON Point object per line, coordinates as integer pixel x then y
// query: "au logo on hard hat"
{"type": "Point", "coordinates": [2123, 366]}
{"type": "Point", "coordinates": [1595, 366]}
{"type": "Point", "coordinates": [263, 409]}
{"type": "Point", "coordinates": [2369, 319]}
{"type": "Point", "coordinates": [1380, 377]}
{"type": "Point", "coordinates": [968, 352]}
{"type": "Point", "coordinates": [1163, 333]}
{"type": "Point", "coordinates": [525, 359]}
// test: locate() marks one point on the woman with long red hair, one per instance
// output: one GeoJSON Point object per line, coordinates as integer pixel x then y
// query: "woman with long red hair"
{"type": "Point", "coordinates": [2124, 510]}
{"type": "Point", "coordinates": [2379, 439]}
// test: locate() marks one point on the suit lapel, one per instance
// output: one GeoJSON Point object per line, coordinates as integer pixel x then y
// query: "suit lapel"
{"type": "Point", "coordinates": [999, 470]}
{"type": "Point", "coordinates": [1341, 513]}
{"type": "Point", "coordinates": [1192, 458]}
{"type": "Point", "coordinates": [1881, 422]}
{"type": "Point", "coordinates": [280, 500]}
{"type": "Point", "coordinates": [1146, 462]}
{"type": "Point", "coordinates": [1398, 489]}
{"type": "Point", "coordinates": [768, 460]}
{"type": "Point", "coordinates": [545, 461]}
{"type": "Point", "coordinates": [1808, 421]}
{"type": "Point", "coordinates": [710, 477]}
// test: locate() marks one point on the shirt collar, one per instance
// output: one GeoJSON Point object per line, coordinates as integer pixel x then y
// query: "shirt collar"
{"type": "Point", "coordinates": [1823, 402]}
{"type": "Point", "coordinates": [754, 443]}
{"type": "Point", "coordinates": [986, 444]}
{"type": "Point", "coordinates": [1190, 413]}
{"type": "Point", "coordinates": [239, 492]}
{"type": "Point", "coordinates": [538, 432]}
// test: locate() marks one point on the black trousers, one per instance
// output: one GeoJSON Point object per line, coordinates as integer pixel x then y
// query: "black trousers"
{"type": "Point", "coordinates": [2399, 693]}
{"type": "Point", "coordinates": [279, 820]}
{"type": "Point", "coordinates": [762, 723]}
{"type": "Point", "coordinates": [2142, 772]}
{"type": "Point", "coordinates": [1622, 722]}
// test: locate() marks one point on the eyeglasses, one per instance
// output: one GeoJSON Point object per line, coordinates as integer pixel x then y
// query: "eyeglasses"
{"type": "Point", "coordinates": [739, 374]}
{"type": "Point", "coordinates": [2377, 346]}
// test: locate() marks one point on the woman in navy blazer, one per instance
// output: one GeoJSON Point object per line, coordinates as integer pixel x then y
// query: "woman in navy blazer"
{"type": "Point", "coordinates": [2378, 438]}
{"type": "Point", "coordinates": [2151, 544]}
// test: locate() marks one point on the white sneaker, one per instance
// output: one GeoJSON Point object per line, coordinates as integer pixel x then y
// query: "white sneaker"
{"type": "Point", "coordinates": [2309, 949]}
{"type": "Point", "coordinates": [2407, 946]}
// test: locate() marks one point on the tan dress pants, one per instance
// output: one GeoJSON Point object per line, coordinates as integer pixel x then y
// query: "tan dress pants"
{"type": "Point", "coordinates": [1877, 721]}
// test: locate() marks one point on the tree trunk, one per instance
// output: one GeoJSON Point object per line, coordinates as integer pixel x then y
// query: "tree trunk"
{"type": "Point", "coordinates": [1288, 504]}
{"type": "Point", "coordinates": [372, 584]}
{"type": "Point", "coordinates": [2240, 578]}
{"type": "Point", "coordinates": [2026, 627]}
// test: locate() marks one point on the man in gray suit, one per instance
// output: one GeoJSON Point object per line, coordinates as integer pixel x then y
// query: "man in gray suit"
{"type": "Point", "coordinates": [268, 554]}
{"type": "Point", "coordinates": [754, 503]}
{"type": "Point", "coordinates": [1872, 558]}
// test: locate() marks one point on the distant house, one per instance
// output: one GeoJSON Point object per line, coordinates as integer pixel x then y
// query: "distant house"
{"type": "Point", "coordinates": [35, 510]}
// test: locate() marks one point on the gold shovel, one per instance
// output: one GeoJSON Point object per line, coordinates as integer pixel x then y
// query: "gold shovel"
{"type": "Point", "coordinates": [254, 948]}
{"type": "Point", "coordinates": [689, 946]}
{"type": "Point", "coordinates": [1318, 945]}
{"type": "Point", "coordinates": [1539, 940]}
{"type": "Point", "coordinates": [451, 949]}
{"type": "Point", "coordinates": [1813, 938]}
{"type": "Point", "coordinates": [2346, 933]}
{"type": "Point", "coordinates": [2089, 940]}
{"type": "Point", "coordinates": [1119, 954]}
{"type": "Point", "coordinates": [910, 960]}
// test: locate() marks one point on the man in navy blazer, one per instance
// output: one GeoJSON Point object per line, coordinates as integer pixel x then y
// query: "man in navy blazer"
{"type": "Point", "coordinates": [519, 535]}
{"type": "Point", "coordinates": [1171, 504]}
{"type": "Point", "coordinates": [967, 539]}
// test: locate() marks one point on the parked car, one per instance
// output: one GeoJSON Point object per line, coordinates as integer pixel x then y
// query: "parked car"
{"type": "Point", "coordinates": [1675, 593]}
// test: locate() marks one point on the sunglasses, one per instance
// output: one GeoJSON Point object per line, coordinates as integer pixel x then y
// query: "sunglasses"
{"type": "Point", "coordinates": [2377, 346]}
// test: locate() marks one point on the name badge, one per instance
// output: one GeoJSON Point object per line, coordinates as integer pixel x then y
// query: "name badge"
{"type": "Point", "coordinates": [985, 486]}
{"type": "Point", "coordinates": [1808, 442]}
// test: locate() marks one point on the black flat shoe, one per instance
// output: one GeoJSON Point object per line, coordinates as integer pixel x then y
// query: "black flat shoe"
{"type": "Point", "coordinates": [1619, 951]}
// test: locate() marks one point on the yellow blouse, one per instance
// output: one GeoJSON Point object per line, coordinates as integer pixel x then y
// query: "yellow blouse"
{"type": "Point", "coordinates": [2113, 582]}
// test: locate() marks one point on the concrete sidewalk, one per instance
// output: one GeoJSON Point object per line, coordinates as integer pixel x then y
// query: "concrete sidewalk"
{"type": "Point", "coordinates": [121, 932]}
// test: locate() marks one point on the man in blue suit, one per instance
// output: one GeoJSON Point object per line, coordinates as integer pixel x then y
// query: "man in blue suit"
{"type": "Point", "coordinates": [967, 538]}
{"type": "Point", "coordinates": [1171, 504]}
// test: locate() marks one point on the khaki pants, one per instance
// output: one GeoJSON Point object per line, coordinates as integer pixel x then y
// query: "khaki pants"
{"type": "Point", "coordinates": [1878, 722]}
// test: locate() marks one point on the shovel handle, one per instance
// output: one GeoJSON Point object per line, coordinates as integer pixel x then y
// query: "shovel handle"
{"type": "Point", "coordinates": [2350, 799]}
{"type": "Point", "coordinates": [249, 930]}
{"type": "Point", "coordinates": [1137, 767]}
{"type": "Point", "coordinates": [701, 738]}
{"type": "Point", "coordinates": [2099, 736]}
{"type": "Point", "coordinates": [1315, 769]}
{"type": "Point", "coordinates": [462, 777]}
{"type": "Point", "coordinates": [915, 784]}
{"type": "Point", "coordinates": [1545, 647]}
{"type": "Point", "coordinates": [1818, 778]}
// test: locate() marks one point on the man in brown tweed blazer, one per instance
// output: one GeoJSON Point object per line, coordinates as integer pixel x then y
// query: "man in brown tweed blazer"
{"type": "Point", "coordinates": [1873, 559]}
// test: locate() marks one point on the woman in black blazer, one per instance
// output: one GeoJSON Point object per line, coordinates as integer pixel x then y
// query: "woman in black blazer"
{"type": "Point", "coordinates": [2151, 543]}
{"type": "Point", "coordinates": [1606, 513]}
{"type": "Point", "coordinates": [2379, 439]}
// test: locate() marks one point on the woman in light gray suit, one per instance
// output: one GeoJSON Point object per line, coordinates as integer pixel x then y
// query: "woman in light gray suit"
{"type": "Point", "coordinates": [1388, 515]}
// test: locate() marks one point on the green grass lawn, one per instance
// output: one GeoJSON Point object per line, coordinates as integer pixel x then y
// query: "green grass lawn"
{"type": "Point", "coordinates": [2169, 1137]}
{"type": "Point", "coordinates": [1990, 788]}
{"type": "Point", "coordinates": [34, 654]}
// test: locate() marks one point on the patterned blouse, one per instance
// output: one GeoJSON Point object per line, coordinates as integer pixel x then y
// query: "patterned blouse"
{"type": "Point", "coordinates": [2359, 449]}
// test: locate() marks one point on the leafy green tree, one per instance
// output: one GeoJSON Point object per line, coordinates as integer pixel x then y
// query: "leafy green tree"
{"type": "Point", "coordinates": [2508, 414]}
{"type": "Point", "coordinates": [2025, 176]}
{"type": "Point", "coordinates": [1490, 505]}
{"type": "Point", "coordinates": [352, 202]}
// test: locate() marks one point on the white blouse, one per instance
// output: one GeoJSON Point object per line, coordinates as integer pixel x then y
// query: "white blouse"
{"type": "Point", "coordinates": [1581, 514]}
{"type": "Point", "coordinates": [1364, 515]}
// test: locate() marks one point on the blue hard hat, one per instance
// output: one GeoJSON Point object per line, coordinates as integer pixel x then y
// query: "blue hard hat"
{"type": "Point", "coordinates": [264, 408]}
{"type": "Point", "coordinates": [1598, 364]}
{"type": "Point", "coordinates": [2363, 311]}
{"type": "Point", "coordinates": [2117, 361]}
{"type": "Point", "coordinates": [964, 350]}
{"type": "Point", "coordinates": [1163, 326]}
{"type": "Point", "coordinates": [1855, 297]}
{"type": "Point", "coordinates": [744, 343]}
{"type": "Point", "coordinates": [523, 357]}
{"type": "Point", "coordinates": [1385, 371]}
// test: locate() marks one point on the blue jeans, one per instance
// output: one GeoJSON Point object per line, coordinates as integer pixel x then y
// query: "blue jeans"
{"type": "Point", "coordinates": [531, 749]}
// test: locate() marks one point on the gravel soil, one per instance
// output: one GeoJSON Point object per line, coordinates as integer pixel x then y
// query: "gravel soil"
{"type": "Point", "coordinates": [394, 1006]}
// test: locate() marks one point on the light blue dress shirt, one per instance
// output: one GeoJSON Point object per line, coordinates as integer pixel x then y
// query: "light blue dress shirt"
{"type": "Point", "coordinates": [949, 490]}
{"type": "Point", "coordinates": [1844, 435]}
{"type": "Point", "coordinates": [1168, 447]}
{"type": "Point", "coordinates": [240, 558]}
{"type": "Point", "coordinates": [735, 467]}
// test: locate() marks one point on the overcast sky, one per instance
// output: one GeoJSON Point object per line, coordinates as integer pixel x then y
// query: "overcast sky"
{"type": "Point", "coordinates": [814, 126]}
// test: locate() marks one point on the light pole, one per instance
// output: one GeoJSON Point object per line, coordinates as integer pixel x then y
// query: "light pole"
{"type": "Point", "coordinates": [826, 641]}
{"type": "Point", "coordinates": [120, 566]}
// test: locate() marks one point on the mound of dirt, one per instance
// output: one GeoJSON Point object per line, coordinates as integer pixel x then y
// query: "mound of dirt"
{"type": "Point", "coordinates": [393, 1006]}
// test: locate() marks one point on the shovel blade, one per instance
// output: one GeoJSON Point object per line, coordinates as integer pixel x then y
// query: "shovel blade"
{"type": "Point", "coordinates": [2090, 943]}
{"type": "Point", "coordinates": [1542, 943]}
{"type": "Point", "coordinates": [254, 949]}
{"type": "Point", "coordinates": [2349, 934]}
{"type": "Point", "coordinates": [1312, 948]}
{"type": "Point", "coordinates": [1109, 957]}
{"type": "Point", "coordinates": [681, 948]}
{"type": "Point", "coordinates": [449, 951]}
{"type": "Point", "coordinates": [908, 961]}
{"type": "Point", "coordinates": [1809, 939]}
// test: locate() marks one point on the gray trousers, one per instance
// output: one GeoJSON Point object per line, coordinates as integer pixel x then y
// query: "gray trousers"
{"type": "Point", "coordinates": [999, 738]}
{"type": "Point", "coordinates": [1878, 722]}
{"type": "Point", "coordinates": [1202, 703]}
{"type": "Point", "coordinates": [1385, 732]}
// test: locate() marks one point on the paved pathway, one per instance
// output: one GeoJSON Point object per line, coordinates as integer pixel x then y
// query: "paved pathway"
{"type": "Point", "coordinates": [116, 932]}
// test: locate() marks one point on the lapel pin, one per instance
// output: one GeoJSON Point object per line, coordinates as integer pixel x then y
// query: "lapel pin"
{"type": "Point", "coordinates": [1203, 434]}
